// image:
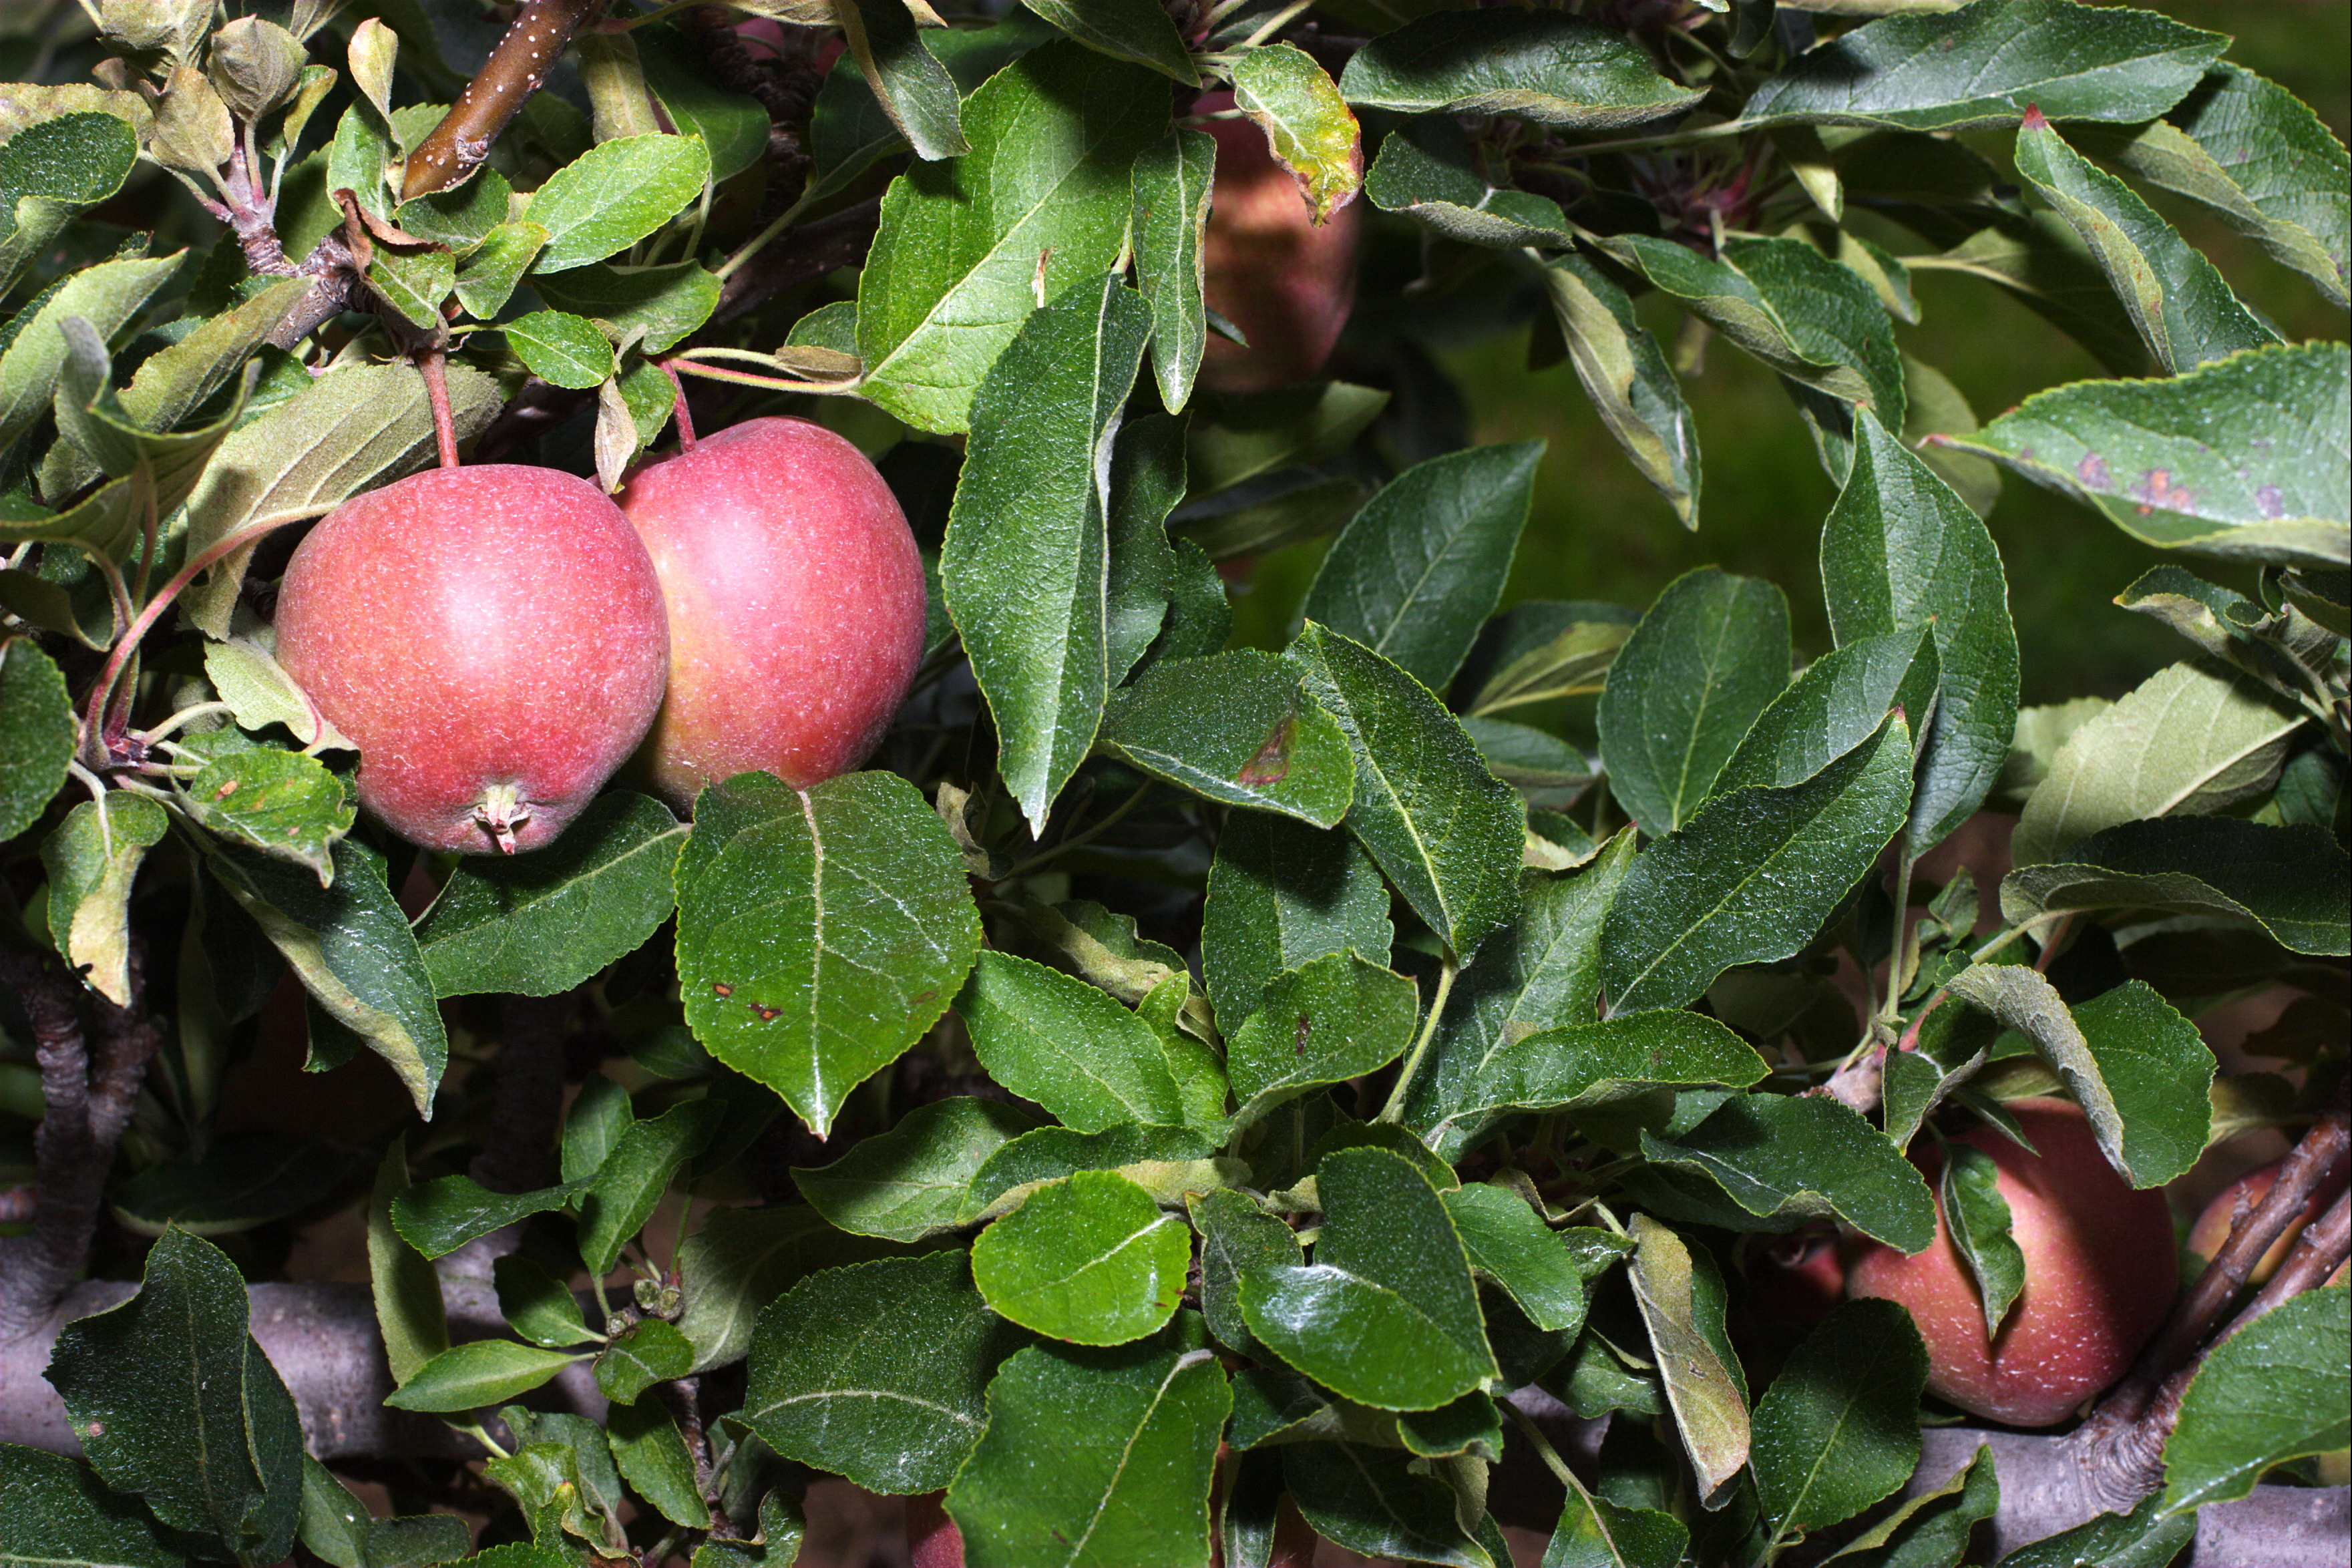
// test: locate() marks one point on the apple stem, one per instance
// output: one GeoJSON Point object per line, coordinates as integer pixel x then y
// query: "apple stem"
{"type": "Point", "coordinates": [683, 413]}
{"type": "Point", "coordinates": [434, 364]}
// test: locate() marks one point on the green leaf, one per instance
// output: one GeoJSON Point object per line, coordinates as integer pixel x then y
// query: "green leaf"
{"type": "Point", "coordinates": [462, 217]}
{"type": "Point", "coordinates": [1380, 1502]}
{"type": "Point", "coordinates": [1166, 1162]}
{"type": "Point", "coordinates": [1977, 1217]}
{"type": "Point", "coordinates": [37, 723]}
{"type": "Point", "coordinates": [1707, 658]}
{"type": "Point", "coordinates": [1239, 437]}
{"type": "Point", "coordinates": [1835, 704]}
{"type": "Point", "coordinates": [1987, 65]}
{"type": "Point", "coordinates": [1511, 1244]}
{"type": "Point", "coordinates": [1594, 1532]}
{"type": "Point", "coordinates": [537, 1304]}
{"type": "Point", "coordinates": [1751, 876]}
{"type": "Point", "coordinates": [1429, 169]}
{"type": "Point", "coordinates": [1236, 1236]}
{"type": "Point", "coordinates": [1089, 1259]}
{"type": "Point", "coordinates": [593, 1123]}
{"type": "Point", "coordinates": [2290, 881]}
{"type": "Point", "coordinates": [819, 932]}
{"type": "Point", "coordinates": [414, 282]}
{"type": "Point", "coordinates": [438, 1217]}
{"type": "Point", "coordinates": [1446, 832]}
{"type": "Point", "coordinates": [876, 1372]}
{"type": "Point", "coordinates": [1308, 127]}
{"type": "Point", "coordinates": [614, 195]}
{"type": "Point", "coordinates": [1839, 1428]}
{"type": "Point", "coordinates": [240, 1181]}
{"type": "Point", "coordinates": [732, 125]}
{"type": "Point", "coordinates": [1680, 1298]}
{"type": "Point", "coordinates": [1781, 1155]}
{"type": "Point", "coordinates": [92, 858]}
{"type": "Point", "coordinates": [1136, 30]}
{"type": "Point", "coordinates": [1066, 1045]}
{"type": "Point", "coordinates": [352, 430]}
{"type": "Point", "coordinates": [2144, 1538]}
{"type": "Point", "coordinates": [1542, 65]}
{"type": "Point", "coordinates": [1795, 309]}
{"type": "Point", "coordinates": [477, 1374]}
{"type": "Point", "coordinates": [742, 1259]}
{"type": "Point", "coordinates": [908, 1182]}
{"type": "Point", "coordinates": [633, 1177]}
{"type": "Point", "coordinates": [494, 267]}
{"type": "Point", "coordinates": [1933, 1528]}
{"type": "Point", "coordinates": [650, 1454]}
{"type": "Point", "coordinates": [2185, 312]}
{"type": "Point", "coordinates": [542, 924]}
{"type": "Point", "coordinates": [1901, 550]}
{"type": "Point", "coordinates": [1387, 1315]}
{"type": "Point", "coordinates": [2253, 152]}
{"type": "Point", "coordinates": [1281, 895]}
{"type": "Point", "coordinates": [50, 172]}
{"type": "Point", "coordinates": [174, 1403]}
{"type": "Point", "coordinates": [1107, 1454]}
{"type": "Point", "coordinates": [2259, 1399]}
{"type": "Point", "coordinates": [1544, 970]}
{"type": "Point", "coordinates": [350, 947]}
{"type": "Point", "coordinates": [406, 1290]}
{"type": "Point", "coordinates": [1417, 572]}
{"type": "Point", "coordinates": [2244, 459]}
{"type": "Point", "coordinates": [668, 302]}
{"type": "Point", "coordinates": [2139, 1069]}
{"type": "Point", "coordinates": [1591, 1064]}
{"type": "Point", "coordinates": [1335, 1018]}
{"type": "Point", "coordinates": [1234, 727]}
{"type": "Point", "coordinates": [284, 803]}
{"type": "Point", "coordinates": [560, 348]}
{"type": "Point", "coordinates": [2190, 740]}
{"type": "Point", "coordinates": [2042, 261]}
{"type": "Point", "coordinates": [58, 1513]}
{"type": "Point", "coordinates": [337, 1526]}
{"type": "Point", "coordinates": [649, 1350]}
{"type": "Point", "coordinates": [1025, 562]}
{"type": "Point", "coordinates": [1626, 375]}
{"type": "Point", "coordinates": [107, 296]}
{"type": "Point", "coordinates": [913, 89]}
{"type": "Point", "coordinates": [248, 676]}
{"type": "Point", "coordinates": [948, 282]}
{"type": "Point", "coordinates": [1171, 191]}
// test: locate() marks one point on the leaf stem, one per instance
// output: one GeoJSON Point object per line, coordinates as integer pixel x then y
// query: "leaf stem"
{"type": "Point", "coordinates": [1394, 1109]}
{"type": "Point", "coordinates": [1671, 138]}
{"type": "Point", "coordinates": [760, 241]}
{"type": "Point", "coordinates": [1077, 840]}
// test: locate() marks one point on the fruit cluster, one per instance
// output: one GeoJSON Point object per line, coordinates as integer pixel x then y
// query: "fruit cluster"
{"type": "Point", "coordinates": [499, 640]}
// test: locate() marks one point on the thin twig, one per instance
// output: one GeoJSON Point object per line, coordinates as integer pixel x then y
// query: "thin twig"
{"type": "Point", "coordinates": [433, 364]}
{"type": "Point", "coordinates": [517, 65]}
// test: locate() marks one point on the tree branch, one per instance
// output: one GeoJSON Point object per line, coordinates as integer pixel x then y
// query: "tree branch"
{"type": "Point", "coordinates": [87, 1095]}
{"type": "Point", "coordinates": [517, 65]}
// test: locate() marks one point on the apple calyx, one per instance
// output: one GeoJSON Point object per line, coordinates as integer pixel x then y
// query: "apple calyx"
{"type": "Point", "coordinates": [501, 810]}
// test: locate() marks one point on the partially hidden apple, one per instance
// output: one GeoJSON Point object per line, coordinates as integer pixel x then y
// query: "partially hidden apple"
{"type": "Point", "coordinates": [2100, 1272]}
{"type": "Point", "coordinates": [1286, 281]}
{"type": "Point", "coordinates": [491, 638]}
{"type": "Point", "coordinates": [796, 602]}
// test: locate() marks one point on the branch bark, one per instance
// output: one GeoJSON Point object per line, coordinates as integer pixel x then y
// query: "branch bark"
{"type": "Point", "coordinates": [517, 65]}
{"type": "Point", "coordinates": [87, 1095]}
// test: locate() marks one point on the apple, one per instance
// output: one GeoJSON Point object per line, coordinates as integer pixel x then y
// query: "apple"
{"type": "Point", "coordinates": [493, 639]}
{"type": "Point", "coordinates": [1796, 1279]}
{"type": "Point", "coordinates": [1285, 280]}
{"type": "Point", "coordinates": [932, 1539]}
{"type": "Point", "coordinates": [796, 603]}
{"type": "Point", "coordinates": [2100, 1272]}
{"type": "Point", "coordinates": [2213, 1226]}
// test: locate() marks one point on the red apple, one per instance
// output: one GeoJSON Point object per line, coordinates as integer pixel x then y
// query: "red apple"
{"type": "Point", "coordinates": [1287, 282]}
{"type": "Point", "coordinates": [932, 1539]}
{"type": "Point", "coordinates": [796, 601]}
{"type": "Point", "coordinates": [1796, 1279]}
{"type": "Point", "coordinates": [2100, 1272]}
{"type": "Point", "coordinates": [2213, 1226]}
{"type": "Point", "coordinates": [493, 639]}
